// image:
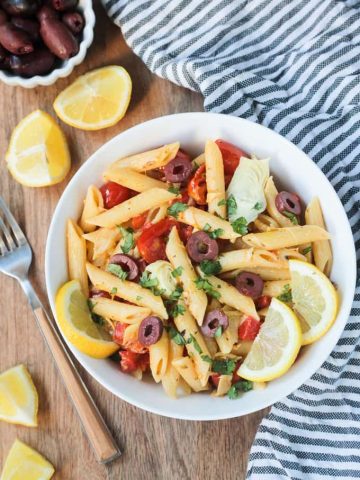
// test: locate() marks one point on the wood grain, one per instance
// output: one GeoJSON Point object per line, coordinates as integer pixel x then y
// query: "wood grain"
{"type": "Point", "coordinates": [154, 448]}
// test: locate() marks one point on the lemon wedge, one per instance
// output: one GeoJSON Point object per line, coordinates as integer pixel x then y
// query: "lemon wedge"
{"type": "Point", "coordinates": [75, 321]}
{"type": "Point", "coordinates": [96, 100]}
{"type": "Point", "coordinates": [24, 463]}
{"type": "Point", "coordinates": [18, 397]}
{"type": "Point", "coordinates": [38, 154]}
{"type": "Point", "coordinates": [276, 347]}
{"type": "Point", "coordinates": [315, 300]}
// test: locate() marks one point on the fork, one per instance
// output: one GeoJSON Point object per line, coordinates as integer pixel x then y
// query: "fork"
{"type": "Point", "coordinates": [15, 260]}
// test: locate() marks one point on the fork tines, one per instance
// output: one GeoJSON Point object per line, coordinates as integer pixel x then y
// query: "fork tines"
{"type": "Point", "coordinates": [11, 235]}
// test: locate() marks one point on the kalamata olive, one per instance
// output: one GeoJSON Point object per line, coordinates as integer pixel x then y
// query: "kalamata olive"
{"type": "Point", "coordinates": [57, 37]}
{"type": "Point", "coordinates": [201, 247]}
{"type": "Point", "coordinates": [74, 21]}
{"type": "Point", "coordinates": [3, 17]}
{"type": "Point", "coordinates": [212, 321]}
{"type": "Point", "coordinates": [14, 40]}
{"type": "Point", "coordinates": [38, 62]}
{"type": "Point", "coordinates": [29, 26]}
{"type": "Point", "coordinates": [288, 202]}
{"type": "Point", "coordinates": [178, 170]}
{"type": "Point", "coordinates": [249, 284]}
{"type": "Point", "coordinates": [24, 8]}
{"type": "Point", "coordinates": [150, 330]}
{"type": "Point", "coordinates": [3, 54]}
{"type": "Point", "coordinates": [47, 12]}
{"type": "Point", "coordinates": [62, 5]}
{"type": "Point", "coordinates": [127, 263]}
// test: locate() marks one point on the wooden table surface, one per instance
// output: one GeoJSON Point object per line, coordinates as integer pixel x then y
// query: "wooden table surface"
{"type": "Point", "coordinates": [154, 447]}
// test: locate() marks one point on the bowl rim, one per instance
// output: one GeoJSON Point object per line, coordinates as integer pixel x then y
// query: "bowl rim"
{"type": "Point", "coordinates": [292, 384]}
{"type": "Point", "coordinates": [65, 70]}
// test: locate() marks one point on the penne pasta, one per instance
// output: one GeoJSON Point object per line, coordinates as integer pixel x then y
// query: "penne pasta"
{"type": "Point", "coordinates": [198, 161]}
{"type": "Point", "coordinates": [129, 291]}
{"type": "Point", "coordinates": [159, 354]}
{"type": "Point", "coordinates": [229, 337]}
{"type": "Point", "coordinates": [286, 237]}
{"type": "Point", "coordinates": [264, 223]}
{"type": "Point", "coordinates": [215, 181]}
{"type": "Point", "coordinates": [265, 273]}
{"type": "Point", "coordinates": [270, 195]}
{"type": "Point", "coordinates": [199, 219]}
{"type": "Point", "coordinates": [274, 288]}
{"type": "Point", "coordinates": [77, 255]}
{"type": "Point", "coordinates": [118, 311]}
{"type": "Point", "coordinates": [242, 348]}
{"type": "Point", "coordinates": [141, 162]}
{"type": "Point", "coordinates": [321, 249]}
{"type": "Point", "coordinates": [186, 368]}
{"type": "Point", "coordinates": [93, 205]}
{"type": "Point", "coordinates": [224, 385]}
{"type": "Point", "coordinates": [195, 299]}
{"type": "Point", "coordinates": [131, 334]}
{"type": "Point", "coordinates": [250, 258]}
{"type": "Point", "coordinates": [131, 208]}
{"type": "Point", "coordinates": [103, 240]}
{"type": "Point", "coordinates": [171, 379]}
{"type": "Point", "coordinates": [132, 179]}
{"type": "Point", "coordinates": [286, 254]}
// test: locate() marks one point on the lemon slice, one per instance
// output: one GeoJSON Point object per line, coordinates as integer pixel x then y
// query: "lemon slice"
{"type": "Point", "coordinates": [276, 347]}
{"type": "Point", "coordinates": [77, 325]}
{"type": "Point", "coordinates": [24, 463]}
{"type": "Point", "coordinates": [18, 397]}
{"type": "Point", "coordinates": [315, 300]}
{"type": "Point", "coordinates": [38, 154]}
{"type": "Point", "coordinates": [96, 100]}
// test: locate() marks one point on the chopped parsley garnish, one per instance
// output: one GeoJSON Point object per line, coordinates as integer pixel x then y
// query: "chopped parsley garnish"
{"type": "Point", "coordinates": [218, 332]}
{"type": "Point", "coordinates": [231, 205]}
{"type": "Point", "coordinates": [195, 342]}
{"type": "Point", "coordinates": [113, 291]}
{"type": "Point", "coordinates": [176, 294]}
{"type": "Point", "coordinates": [240, 226]}
{"type": "Point", "coordinates": [210, 267]}
{"type": "Point", "coordinates": [128, 242]}
{"type": "Point", "coordinates": [285, 295]}
{"type": "Point", "coordinates": [176, 208]}
{"type": "Point", "coordinates": [173, 189]}
{"type": "Point", "coordinates": [138, 298]}
{"type": "Point", "coordinates": [293, 218]}
{"type": "Point", "coordinates": [117, 270]}
{"type": "Point", "coordinates": [258, 206]}
{"type": "Point", "coordinates": [206, 358]}
{"type": "Point", "coordinates": [307, 250]}
{"type": "Point", "coordinates": [177, 272]}
{"type": "Point", "coordinates": [238, 387]}
{"type": "Point", "coordinates": [222, 202]}
{"type": "Point", "coordinates": [224, 367]}
{"type": "Point", "coordinates": [176, 336]}
{"type": "Point", "coordinates": [203, 284]}
{"type": "Point", "coordinates": [215, 234]}
{"type": "Point", "coordinates": [207, 227]}
{"type": "Point", "coordinates": [151, 283]}
{"type": "Point", "coordinates": [177, 310]}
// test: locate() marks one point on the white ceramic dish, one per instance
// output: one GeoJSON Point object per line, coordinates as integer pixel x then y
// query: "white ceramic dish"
{"type": "Point", "coordinates": [67, 66]}
{"type": "Point", "coordinates": [293, 169]}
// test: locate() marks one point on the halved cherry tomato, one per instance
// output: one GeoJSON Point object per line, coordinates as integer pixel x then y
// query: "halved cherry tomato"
{"type": "Point", "coordinates": [113, 194]}
{"type": "Point", "coordinates": [138, 222]}
{"type": "Point", "coordinates": [263, 302]}
{"type": "Point", "coordinates": [118, 335]}
{"type": "Point", "coordinates": [215, 378]}
{"type": "Point", "coordinates": [144, 361]}
{"type": "Point", "coordinates": [185, 232]}
{"type": "Point", "coordinates": [128, 361]}
{"type": "Point", "coordinates": [249, 328]}
{"type": "Point", "coordinates": [152, 241]}
{"type": "Point", "coordinates": [231, 156]}
{"type": "Point", "coordinates": [197, 186]}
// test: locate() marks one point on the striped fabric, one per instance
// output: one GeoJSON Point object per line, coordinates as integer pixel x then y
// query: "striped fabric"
{"type": "Point", "coordinates": [294, 66]}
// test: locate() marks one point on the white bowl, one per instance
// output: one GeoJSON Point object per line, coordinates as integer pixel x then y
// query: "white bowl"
{"type": "Point", "coordinates": [293, 169]}
{"type": "Point", "coordinates": [67, 66]}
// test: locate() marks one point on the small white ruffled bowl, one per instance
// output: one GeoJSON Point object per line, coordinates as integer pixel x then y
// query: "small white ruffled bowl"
{"type": "Point", "coordinates": [66, 66]}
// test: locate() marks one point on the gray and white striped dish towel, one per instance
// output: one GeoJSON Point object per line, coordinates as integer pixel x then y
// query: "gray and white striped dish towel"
{"type": "Point", "coordinates": [293, 66]}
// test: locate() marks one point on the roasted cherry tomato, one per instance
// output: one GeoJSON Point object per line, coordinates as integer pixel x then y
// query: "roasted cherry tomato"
{"type": "Point", "coordinates": [249, 328]}
{"type": "Point", "coordinates": [128, 361]}
{"type": "Point", "coordinates": [138, 222]}
{"type": "Point", "coordinates": [197, 186]}
{"type": "Point", "coordinates": [152, 241]}
{"type": "Point", "coordinates": [263, 302]}
{"type": "Point", "coordinates": [215, 378]}
{"type": "Point", "coordinates": [113, 194]}
{"type": "Point", "coordinates": [118, 335]}
{"type": "Point", "coordinates": [185, 232]}
{"type": "Point", "coordinates": [231, 156]}
{"type": "Point", "coordinates": [144, 361]}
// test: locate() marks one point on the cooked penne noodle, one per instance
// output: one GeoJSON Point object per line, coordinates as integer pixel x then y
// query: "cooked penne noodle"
{"type": "Point", "coordinates": [242, 348]}
{"type": "Point", "coordinates": [129, 291]}
{"type": "Point", "coordinates": [321, 249]}
{"type": "Point", "coordinates": [93, 205]}
{"type": "Point", "coordinates": [291, 254]}
{"type": "Point", "coordinates": [131, 333]}
{"type": "Point", "coordinates": [76, 251]}
{"type": "Point", "coordinates": [224, 385]}
{"type": "Point", "coordinates": [274, 288]}
{"type": "Point", "coordinates": [186, 324]}
{"type": "Point", "coordinates": [250, 258]}
{"type": "Point", "coordinates": [215, 181]}
{"type": "Point", "coordinates": [159, 354]}
{"type": "Point", "coordinates": [270, 195]}
{"type": "Point", "coordinates": [103, 240]}
{"type": "Point", "coordinates": [133, 207]}
{"type": "Point", "coordinates": [264, 223]}
{"type": "Point", "coordinates": [199, 219]}
{"type": "Point", "coordinates": [156, 214]}
{"type": "Point", "coordinates": [195, 299]}
{"type": "Point", "coordinates": [211, 345]}
{"type": "Point", "coordinates": [286, 237]}
{"type": "Point", "coordinates": [186, 368]}
{"type": "Point", "coordinates": [229, 336]}
{"type": "Point", "coordinates": [265, 273]}
{"type": "Point", "coordinates": [198, 161]}
{"type": "Point", "coordinates": [171, 379]}
{"type": "Point", "coordinates": [118, 311]}
{"type": "Point", "coordinates": [141, 162]}
{"type": "Point", "coordinates": [132, 179]}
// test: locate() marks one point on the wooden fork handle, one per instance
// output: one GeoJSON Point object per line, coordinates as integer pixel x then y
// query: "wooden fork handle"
{"type": "Point", "coordinates": [99, 436]}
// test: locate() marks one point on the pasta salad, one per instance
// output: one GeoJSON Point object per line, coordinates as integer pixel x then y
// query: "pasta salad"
{"type": "Point", "coordinates": [197, 271]}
